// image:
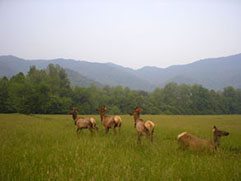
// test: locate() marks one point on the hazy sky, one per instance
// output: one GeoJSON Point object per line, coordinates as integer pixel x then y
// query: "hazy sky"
{"type": "Point", "coordinates": [132, 33]}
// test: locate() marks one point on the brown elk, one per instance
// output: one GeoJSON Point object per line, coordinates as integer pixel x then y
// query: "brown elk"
{"type": "Point", "coordinates": [109, 121]}
{"type": "Point", "coordinates": [143, 128]}
{"type": "Point", "coordinates": [82, 122]}
{"type": "Point", "coordinates": [193, 143]}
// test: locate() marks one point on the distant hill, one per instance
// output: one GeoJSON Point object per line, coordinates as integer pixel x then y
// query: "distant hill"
{"type": "Point", "coordinates": [103, 73]}
{"type": "Point", "coordinates": [213, 73]}
{"type": "Point", "coordinates": [10, 65]}
{"type": "Point", "coordinates": [77, 79]}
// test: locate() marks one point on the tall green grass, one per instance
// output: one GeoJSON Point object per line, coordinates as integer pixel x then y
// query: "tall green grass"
{"type": "Point", "coordinates": [46, 147]}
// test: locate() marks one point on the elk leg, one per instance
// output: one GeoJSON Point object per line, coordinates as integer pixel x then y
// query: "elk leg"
{"type": "Point", "coordinates": [147, 134]}
{"type": "Point", "coordinates": [78, 131]}
{"type": "Point", "coordinates": [91, 130]}
{"type": "Point", "coordinates": [95, 127]}
{"type": "Point", "coordinates": [106, 130]}
{"type": "Point", "coordinates": [114, 131]}
{"type": "Point", "coordinates": [119, 128]}
{"type": "Point", "coordinates": [152, 135]}
{"type": "Point", "coordinates": [139, 138]}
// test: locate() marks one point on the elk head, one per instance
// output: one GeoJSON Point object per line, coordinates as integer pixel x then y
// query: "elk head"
{"type": "Point", "coordinates": [74, 110]}
{"type": "Point", "coordinates": [217, 134]}
{"type": "Point", "coordinates": [138, 109]}
{"type": "Point", "coordinates": [102, 111]}
{"type": "Point", "coordinates": [136, 114]}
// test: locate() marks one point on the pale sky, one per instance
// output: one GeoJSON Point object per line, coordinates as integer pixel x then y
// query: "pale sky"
{"type": "Point", "coordinates": [131, 33]}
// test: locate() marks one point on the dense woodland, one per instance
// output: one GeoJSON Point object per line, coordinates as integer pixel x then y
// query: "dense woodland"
{"type": "Point", "coordinates": [49, 92]}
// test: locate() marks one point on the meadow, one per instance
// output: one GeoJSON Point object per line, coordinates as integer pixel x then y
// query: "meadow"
{"type": "Point", "coordinates": [46, 147]}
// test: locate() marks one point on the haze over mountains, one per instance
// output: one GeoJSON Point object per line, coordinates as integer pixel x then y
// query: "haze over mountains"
{"type": "Point", "coordinates": [212, 73]}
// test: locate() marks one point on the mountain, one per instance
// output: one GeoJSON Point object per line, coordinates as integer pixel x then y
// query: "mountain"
{"type": "Point", "coordinates": [103, 73]}
{"type": "Point", "coordinates": [212, 73]}
{"type": "Point", "coordinates": [77, 79]}
{"type": "Point", "coordinates": [10, 65]}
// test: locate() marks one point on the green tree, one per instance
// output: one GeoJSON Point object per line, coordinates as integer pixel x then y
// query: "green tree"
{"type": "Point", "coordinates": [4, 95]}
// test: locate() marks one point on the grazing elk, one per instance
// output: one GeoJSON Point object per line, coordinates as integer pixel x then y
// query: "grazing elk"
{"type": "Point", "coordinates": [143, 128]}
{"type": "Point", "coordinates": [83, 123]}
{"type": "Point", "coordinates": [193, 143]}
{"type": "Point", "coordinates": [109, 121]}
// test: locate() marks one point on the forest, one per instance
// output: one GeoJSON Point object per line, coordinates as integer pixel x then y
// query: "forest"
{"type": "Point", "coordinates": [48, 91]}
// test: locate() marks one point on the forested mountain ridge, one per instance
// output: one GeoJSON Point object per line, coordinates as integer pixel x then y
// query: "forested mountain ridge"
{"type": "Point", "coordinates": [77, 79]}
{"type": "Point", "coordinates": [213, 73]}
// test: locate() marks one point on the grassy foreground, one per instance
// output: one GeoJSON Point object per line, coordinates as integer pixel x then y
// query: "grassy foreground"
{"type": "Point", "coordinates": [46, 147]}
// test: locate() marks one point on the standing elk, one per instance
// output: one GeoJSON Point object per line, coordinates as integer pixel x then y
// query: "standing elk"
{"type": "Point", "coordinates": [109, 121]}
{"type": "Point", "coordinates": [82, 122]}
{"type": "Point", "coordinates": [193, 143]}
{"type": "Point", "coordinates": [143, 128]}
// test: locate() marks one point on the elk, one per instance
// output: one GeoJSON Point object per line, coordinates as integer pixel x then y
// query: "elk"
{"type": "Point", "coordinates": [193, 143]}
{"type": "Point", "coordinates": [82, 122]}
{"type": "Point", "coordinates": [143, 128]}
{"type": "Point", "coordinates": [109, 121]}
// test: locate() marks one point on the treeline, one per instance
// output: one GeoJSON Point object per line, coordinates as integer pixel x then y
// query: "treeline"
{"type": "Point", "coordinates": [49, 92]}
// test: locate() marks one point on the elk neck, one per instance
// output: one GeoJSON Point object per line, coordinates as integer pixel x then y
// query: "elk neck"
{"type": "Point", "coordinates": [102, 115]}
{"type": "Point", "coordinates": [216, 140]}
{"type": "Point", "coordinates": [74, 115]}
{"type": "Point", "coordinates": [136, 116]}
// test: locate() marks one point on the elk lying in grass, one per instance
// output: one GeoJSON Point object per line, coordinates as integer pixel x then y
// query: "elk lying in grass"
{"type": "Point", "coordinates": [193, 143]}
{"type": "Point", "coordinates": [143, 128]}
{"type": "Point", "coordinates": [83, 123]}
{"type": "Point", "coordinates": [109, 121]}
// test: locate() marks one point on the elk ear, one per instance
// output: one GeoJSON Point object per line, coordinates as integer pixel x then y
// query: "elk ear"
{"type": "Point", "coordinates": [140, 109]}
{"type": "Point", "coordinates": [105, 108]}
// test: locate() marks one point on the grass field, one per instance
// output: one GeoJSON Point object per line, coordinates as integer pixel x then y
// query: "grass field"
{"type": "Point", "coordinates": [46, 147]}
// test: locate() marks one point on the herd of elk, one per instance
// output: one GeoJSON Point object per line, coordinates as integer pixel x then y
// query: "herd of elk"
{"type": "Point", "coordinates": [83, 123]}
{"type": "Point", "coordinates": [146, 128]}
{"type": "Point", "coordinates": [193, 143]}
{"type": "Point", "coordinates": [109, 121]}
{"type": "Point", "coordinates": [143, 128]}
